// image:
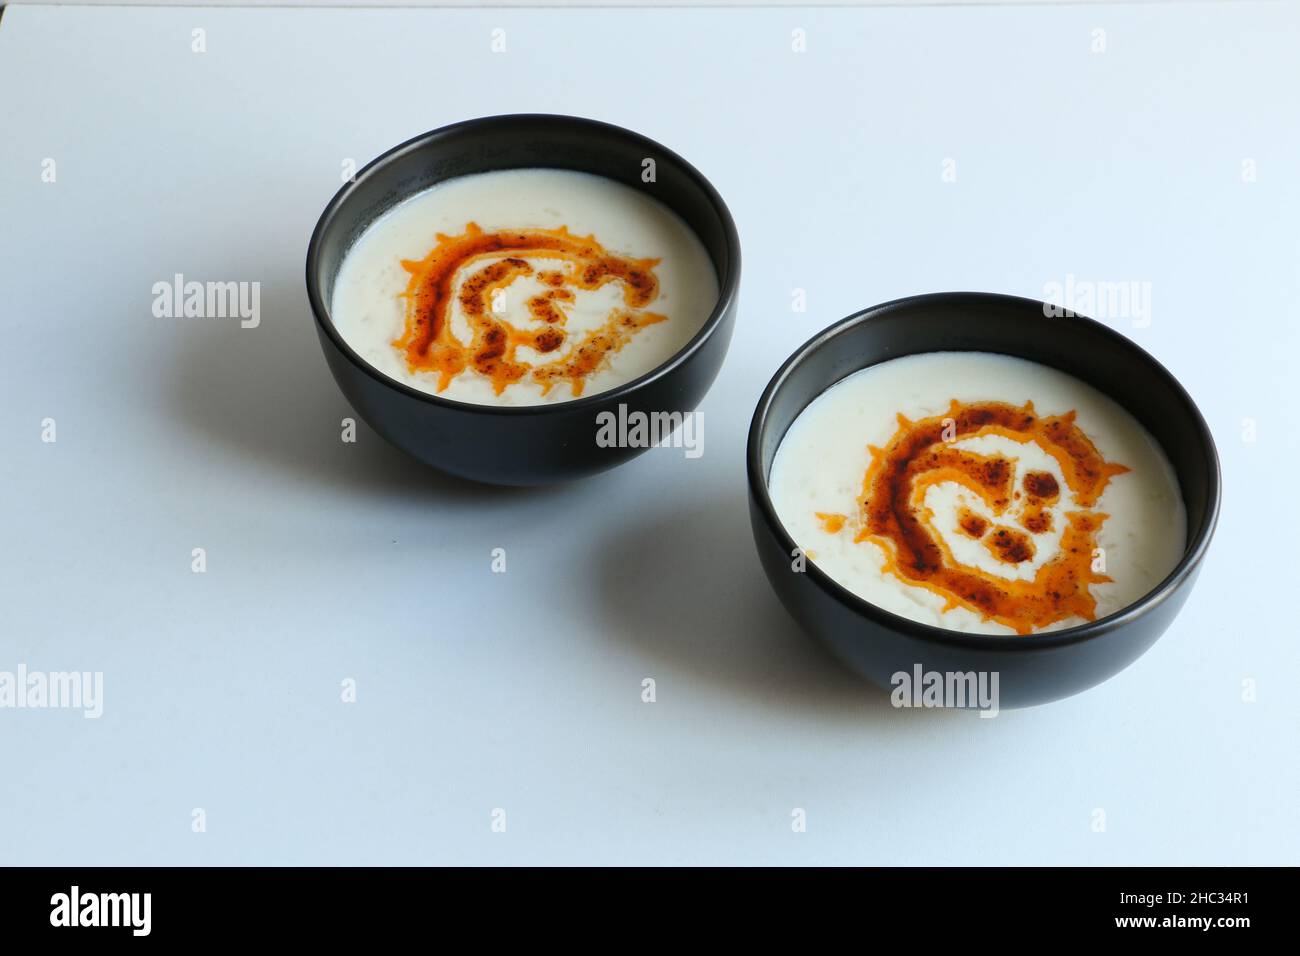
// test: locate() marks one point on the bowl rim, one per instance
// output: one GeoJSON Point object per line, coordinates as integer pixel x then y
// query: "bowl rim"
{"type": "Point", "coordinates": [1193, 552]}
{"type": "Point", "coordinates": [728, 283]}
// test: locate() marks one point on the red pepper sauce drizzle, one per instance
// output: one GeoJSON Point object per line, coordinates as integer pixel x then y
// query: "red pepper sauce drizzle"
{"type": "Point", "coordinates": [971, 524]}
{"type": "Point", "coordinates": [1041, 491]}
{"type": "Point", "coordinates": [892, 512]}
{"type": "Point", "coordinates": [831, 523]}
{"type": "Point", "coordinates": [431, 345]}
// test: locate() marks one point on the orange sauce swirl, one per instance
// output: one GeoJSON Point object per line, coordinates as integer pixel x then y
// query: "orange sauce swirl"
{"type": "Point", "coordinates": [489, 262]}
{"type": "Point", "coordinates": [920, 455]}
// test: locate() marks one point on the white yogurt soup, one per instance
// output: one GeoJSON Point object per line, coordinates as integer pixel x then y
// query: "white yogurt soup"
{"type": "Point", "coordinates": [523, 287]}
{"type": "Point", "coordinates": [979, 492]}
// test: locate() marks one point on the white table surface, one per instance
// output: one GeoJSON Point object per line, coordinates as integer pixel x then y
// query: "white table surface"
{"type": "Point", "coordinates": [522, 691]}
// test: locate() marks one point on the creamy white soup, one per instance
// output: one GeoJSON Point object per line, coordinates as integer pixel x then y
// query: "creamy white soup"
{"type": "Point", "coordinates": [523, 287]}
{"type": "Point", "coordinates": [979, 492]}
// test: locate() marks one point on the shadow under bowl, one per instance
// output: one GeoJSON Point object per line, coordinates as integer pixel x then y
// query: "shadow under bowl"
{"type": "Point", "coordinates": [531, 444]}
{"type": "Point", "coordinates": [1033, 668]}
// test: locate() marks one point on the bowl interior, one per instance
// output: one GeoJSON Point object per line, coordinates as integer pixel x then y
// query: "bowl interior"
{"type": "Point", "coordinates": [958, 322]}
{"type": "Point", "coordinates": [517, 142]}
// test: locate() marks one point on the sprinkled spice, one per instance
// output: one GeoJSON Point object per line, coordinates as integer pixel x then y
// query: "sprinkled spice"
{"type": "Point", "coordinates": [1009, 545]}
{"type": "Point", "coordinates": [971, 523]}
{"type": "Point", "coordinates": [1041, 486]}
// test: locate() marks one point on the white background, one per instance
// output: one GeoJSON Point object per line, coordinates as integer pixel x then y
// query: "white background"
{"type": "Point", "coordinates": [521, 691]}
{"type": "Point", "coordinates": [586, 4]}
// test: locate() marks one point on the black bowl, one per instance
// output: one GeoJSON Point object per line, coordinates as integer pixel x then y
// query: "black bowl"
{"type": "Point", "coordinates": [1033, 668]}
{"type": "Point", "coordinates": [537, 444]}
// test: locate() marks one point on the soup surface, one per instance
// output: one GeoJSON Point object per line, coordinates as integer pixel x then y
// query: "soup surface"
{"type": "Point", "coordinates": [523, 287]}
{"type": "Point", "coordinates": [979, 492]}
